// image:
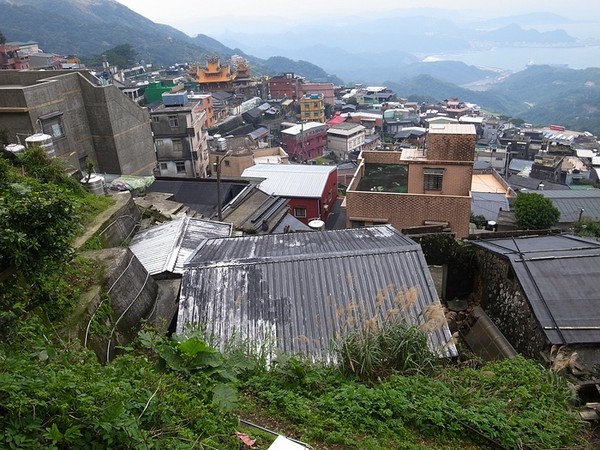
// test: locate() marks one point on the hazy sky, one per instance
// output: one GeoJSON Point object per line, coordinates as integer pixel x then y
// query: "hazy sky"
{"type": "Point", "coordinates": [217, 16]}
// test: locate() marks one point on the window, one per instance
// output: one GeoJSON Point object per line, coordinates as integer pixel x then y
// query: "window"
{"type": "Point", "coordinates": [173, 122]}
{"type": "Point", "coordinates": [53, 127]}
{"type": "Point", "coordinates": [432, 179]}
{"type": "Point", "coordinates": [163, 167]}
{"type": "Point", "coordinates": [227, 164]}
{"type": "Point", "coordinates": [180, 165]}
{"type": "Point", "coordinates": [155, 119]}
{"type": "Point", "coordinates": [159, 142]}
{"type": "Point", "coordinates": [300, 212]}
{"type": "Point", "coordinates": [177, 146]}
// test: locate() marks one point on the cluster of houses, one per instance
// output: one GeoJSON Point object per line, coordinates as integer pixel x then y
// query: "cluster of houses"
{"type": "Point", "coordinates": [300, 198]}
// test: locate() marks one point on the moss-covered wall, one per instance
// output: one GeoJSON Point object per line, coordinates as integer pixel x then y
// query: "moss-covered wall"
{"type": "Point", "coordinates": [500, 294]}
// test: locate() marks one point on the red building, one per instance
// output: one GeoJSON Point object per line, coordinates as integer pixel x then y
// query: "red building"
{"type": "Point", "coordinates": [287, 85]}
{"type": "Point", "coordinates": [304, 141]}
{"type": "Point", "coordinates": [311, 190]}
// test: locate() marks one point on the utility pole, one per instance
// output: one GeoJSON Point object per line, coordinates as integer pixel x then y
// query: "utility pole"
{"type": "Point", "coordinates": [218, 170]}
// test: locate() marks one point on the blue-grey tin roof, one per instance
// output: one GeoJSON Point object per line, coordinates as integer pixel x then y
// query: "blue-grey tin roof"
{"type": "Point", "coordinates": [302, 290]}
{"type": "Point", "coordinates": [165, 247]}
{"type": "Point", "coordinates": [571, 202]}
{"type": "Point", "coordinates": [488, 204]}
{"type": "Point", "coordinates": [559, 276]}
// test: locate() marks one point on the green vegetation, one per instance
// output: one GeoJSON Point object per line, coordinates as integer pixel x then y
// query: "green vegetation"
{"type": "Point", "coordinates": [386, 391]}
{"type": "Point", "coordinates": [588, 228]}
{"type": "Point", "coordinates": [535, 212]}
{"type": "Point", "coordinates": [514, 403]}
{"type": "Point", "coordinates": [123, 55]}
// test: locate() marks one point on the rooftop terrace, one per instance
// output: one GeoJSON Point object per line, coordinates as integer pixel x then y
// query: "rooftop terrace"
{"type": "Point", "coordinates": [384, 178]}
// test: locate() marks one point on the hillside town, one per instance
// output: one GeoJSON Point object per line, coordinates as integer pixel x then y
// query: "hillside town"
{"type": "Point", "coordinates": [265, 205]}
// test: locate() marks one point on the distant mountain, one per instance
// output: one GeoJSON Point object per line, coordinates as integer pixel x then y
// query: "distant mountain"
{"type": "Point", "coordinates": [89, 27]}
{"type": "Point", "coordinates": [371, 49]}
{"type": "Point", "coordinates": [540, 95]}
{"type": "Point", "coordinates": [547, 94]}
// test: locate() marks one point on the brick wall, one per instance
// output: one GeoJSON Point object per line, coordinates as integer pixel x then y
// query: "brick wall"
{"type": "Point", "coordinates": [408, 210]}
{"type": "Point", "coordinates": [456, 178]}
{"type": "Point", "coordinates": [451, 147]}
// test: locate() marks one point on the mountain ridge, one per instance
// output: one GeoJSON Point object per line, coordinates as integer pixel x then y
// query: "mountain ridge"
{"type": "Point", "coordinates": [89, 27]}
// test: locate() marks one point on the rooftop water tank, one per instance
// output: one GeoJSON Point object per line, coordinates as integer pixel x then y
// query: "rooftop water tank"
{"type": "Point", "coordinates": [316, 224]}
{"type": "Point", "coordinates": [94, 184]}
{"type": "Point", "coordinates": [15, 148]}
{"type": "Point", "coordinates": [44, 141]}
{"type": "Point", "coordinates": [221, 144]}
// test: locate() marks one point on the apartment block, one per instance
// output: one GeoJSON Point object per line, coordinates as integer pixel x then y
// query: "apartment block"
{"type": "Point", "coordinates": [345, 139]}
{"type": "Point", "coordinates": [312, 108]}
{"type": "Point", "coordinates": [179, 135]}
{"type": "Point", "coordinates": [304, 141]}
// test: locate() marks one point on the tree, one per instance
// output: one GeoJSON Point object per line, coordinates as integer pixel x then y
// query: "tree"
{"type": "Point", "coordinates": [2, 38]}
{"type": "Point", "coordinates": [534, 211]}
{"type": "Point", "coordinates": [122, 56]}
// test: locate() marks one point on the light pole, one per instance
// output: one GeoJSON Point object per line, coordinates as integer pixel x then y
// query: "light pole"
{"type": "Point", "coordinates": [218, 171]}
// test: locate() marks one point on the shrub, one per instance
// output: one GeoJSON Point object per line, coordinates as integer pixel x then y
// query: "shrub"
{"type": "Point", "coordinates": [535, 212]}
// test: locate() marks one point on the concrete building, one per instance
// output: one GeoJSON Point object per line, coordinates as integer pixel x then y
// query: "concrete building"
{"type": "Point", "coordinates": [12, 58]}
{"type": "Point", "coordinates": [180, 137]}
{"type": "Point", "coordinates": [87, 122]}
{"type": "Point", "coordinates": [417, 190]}
{"type": "Point", "coordinates": [344, 139]}
{"type": "Point", "coordinates": [235, 154]}
{"type": "Point", "coordinates": [312, 108]}
{"type": "Point", "coordinates": [327, 90]}
{"type": "Point", "coordinates": [304, 141]}
{"type": "Point", "coordinates": [288, 85]}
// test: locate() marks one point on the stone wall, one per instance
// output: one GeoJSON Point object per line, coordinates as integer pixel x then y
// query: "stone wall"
{"type": "Point", "coordinates": [500, 295]}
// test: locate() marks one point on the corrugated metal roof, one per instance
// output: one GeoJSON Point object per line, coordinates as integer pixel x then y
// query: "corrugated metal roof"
{"type": "Point", "coordinates": [302, 290]}
{"type": "Point", "coordinates": [571, 202]}
{"type": "Point", "coordinates": [302, 128]}
{"type": "Point", "coordinates": [291, 180]}
{"type": "Point", "coordinates": [165, 247]}
{"type": "Point", "coordinates": [559, 276]}
{"type": "Point", "coordinates": [488, 204]}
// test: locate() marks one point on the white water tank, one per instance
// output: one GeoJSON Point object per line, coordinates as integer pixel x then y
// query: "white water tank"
{"type": "Point", "coordinates": [94, 185]}
{"type": "Point", "coordinates": [44, 141]}
{"type": "Point", "coordinates": [15, 148]}
{"type": "Point", "coordinates": [221, 144]}
{"type": "Point", "coordinates": [316, 224]}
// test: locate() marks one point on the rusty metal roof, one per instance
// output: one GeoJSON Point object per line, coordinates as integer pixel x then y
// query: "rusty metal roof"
{"type": "Point", "coordinates": [301, 291]}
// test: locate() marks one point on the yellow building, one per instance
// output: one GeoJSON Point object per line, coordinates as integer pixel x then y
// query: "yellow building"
{"type": "Point", "coordinates": [312, 108]}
